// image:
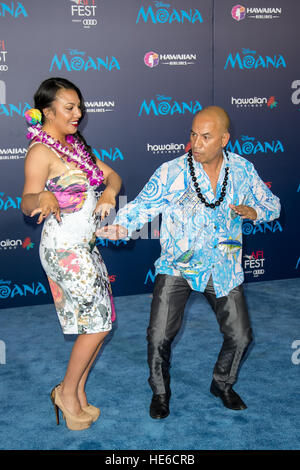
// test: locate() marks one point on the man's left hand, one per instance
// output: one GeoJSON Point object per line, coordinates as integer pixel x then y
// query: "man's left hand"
{"type": "Point", "coordinates": [245, 212]}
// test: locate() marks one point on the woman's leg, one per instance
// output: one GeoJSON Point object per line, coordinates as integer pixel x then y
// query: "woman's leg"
{"type": "Point", "coordinates": [83, 354]}
{"type": "Point", "coordinates": [81, 386]}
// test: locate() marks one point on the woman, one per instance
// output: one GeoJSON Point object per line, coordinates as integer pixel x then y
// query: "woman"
{"type": "Point", "coordinates": [60, 174]}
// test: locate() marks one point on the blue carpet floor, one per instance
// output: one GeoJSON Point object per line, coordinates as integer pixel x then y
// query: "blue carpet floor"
{"type": "Point", "coordinates": [37, 354]}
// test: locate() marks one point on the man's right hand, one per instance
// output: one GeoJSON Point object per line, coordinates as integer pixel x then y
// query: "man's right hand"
{"type": "Point", "coordinates": [112, 232]}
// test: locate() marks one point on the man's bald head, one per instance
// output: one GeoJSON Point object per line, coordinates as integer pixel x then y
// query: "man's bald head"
{"type": "Point", "coordinates": [209, 135]}
{"type": "Point", "coordinates": [216, 113]}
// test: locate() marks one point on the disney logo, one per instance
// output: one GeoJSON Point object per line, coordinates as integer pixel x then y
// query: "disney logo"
{"type": "Point", "coordinates": [76, 52]}
{"type": "Point", "coordinates": [163, 97]}
{"type": "Point", "coordinates": [248, 51]}
{"type": "Point", "coordinates": [161, 4]}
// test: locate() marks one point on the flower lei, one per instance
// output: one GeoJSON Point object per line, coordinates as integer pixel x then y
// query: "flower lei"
{"type": "Point", "coordinates": [79, 155]}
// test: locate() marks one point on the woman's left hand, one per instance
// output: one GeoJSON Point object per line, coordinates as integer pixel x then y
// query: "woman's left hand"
{"type": "Point", "coordinates": [105, 204]}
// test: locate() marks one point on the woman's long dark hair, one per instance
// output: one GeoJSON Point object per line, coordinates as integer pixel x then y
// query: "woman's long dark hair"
{"type": "Point", "coordinates": [46, 94]}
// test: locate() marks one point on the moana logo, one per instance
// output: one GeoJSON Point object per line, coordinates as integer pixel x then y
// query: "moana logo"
{"type": "Point", "coordinates": [79, 61]}
{"type": "Point", "coordinates": [251, 146]}
{"type": "Point", "coordinates": [164, 14]}
{"type": "Point", "coordinates": [251, 60]}
{"type": "Point", "coordinates": [9, 290]}
{"type": "Point", "coordinates": [165, 105]}
{"type": "Point", "coordinates": [15, 9]}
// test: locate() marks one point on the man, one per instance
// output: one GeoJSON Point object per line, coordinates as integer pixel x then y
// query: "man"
{"type": "Point", "coordinates": [202, 197]}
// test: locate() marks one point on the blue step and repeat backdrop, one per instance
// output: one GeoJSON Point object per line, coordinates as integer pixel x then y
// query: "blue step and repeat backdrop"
{"type": "Point", "coordinates": [145, 68]}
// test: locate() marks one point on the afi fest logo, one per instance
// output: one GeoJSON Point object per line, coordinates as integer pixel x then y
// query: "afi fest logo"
{"type": "Point", "coordinates": [12, 10]}
{"type": "Point", "coordinates": [84, 11]}
{"type": "Point", "coordinates": [251, 60]}
{"type": "Point", "coordinates": [254, 263]}
{"type": "Point", "coordinates": [162, 13]}
{"type": "Point", "coordinates": [165, 105]}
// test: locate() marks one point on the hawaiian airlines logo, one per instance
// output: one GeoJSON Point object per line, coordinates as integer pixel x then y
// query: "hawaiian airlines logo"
{"type": "Point", "coordinates": [252, 146]}
{"type": "Point", "coordinates": [152, 59]}
{"type": "Point", "coordinates": [3, 57]}
{"type": "Point", "coordinates": [99, 106]}
{"type": "Point", "coordinates": [251, 60]}
{"type": "Point", "coordinates": [165, 105]}
{"type": "Point", "coordinates": [13, 10]}
{"type": "Point", "coordinates": [78, 60]}
{"type": "Point", "coordinates": [9, 289]}
{"type": "Point", "coordinates": [12, 153]}
{"type": "Point", "coordinates": [239, 12]}
{"type": "Point", "coordinates": [163, 13]}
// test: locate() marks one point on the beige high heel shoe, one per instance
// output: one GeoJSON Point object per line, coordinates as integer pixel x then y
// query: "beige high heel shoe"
{"type": "Point", "coordinates": [73, 422]}
{"type": "Point", "coordinates": [93, 411]}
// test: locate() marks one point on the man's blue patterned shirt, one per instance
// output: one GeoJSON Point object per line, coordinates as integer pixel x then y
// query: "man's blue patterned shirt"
{"type": "Point", "coordinates": [197, 241]}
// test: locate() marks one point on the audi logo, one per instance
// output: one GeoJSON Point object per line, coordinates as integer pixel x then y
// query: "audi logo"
{"type": "Point", "coordinates": [87, 22]}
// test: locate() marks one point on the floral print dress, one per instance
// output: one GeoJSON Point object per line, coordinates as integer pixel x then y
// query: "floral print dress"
{"type": "Point", "coordinates": [76, 272]}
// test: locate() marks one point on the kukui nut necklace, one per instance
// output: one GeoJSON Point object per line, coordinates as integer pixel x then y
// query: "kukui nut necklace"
{"type": "Point", "coordinates": [196, 184]}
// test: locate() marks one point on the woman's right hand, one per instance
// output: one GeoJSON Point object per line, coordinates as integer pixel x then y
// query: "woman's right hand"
{"type": "Point", "coordinates": [47, 204]}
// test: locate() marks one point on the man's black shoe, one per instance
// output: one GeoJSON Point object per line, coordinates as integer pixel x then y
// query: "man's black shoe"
{"type": "Point", "coordinates": [159, 407]}
{"type": "Point", "coordinates": [228, 396]}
